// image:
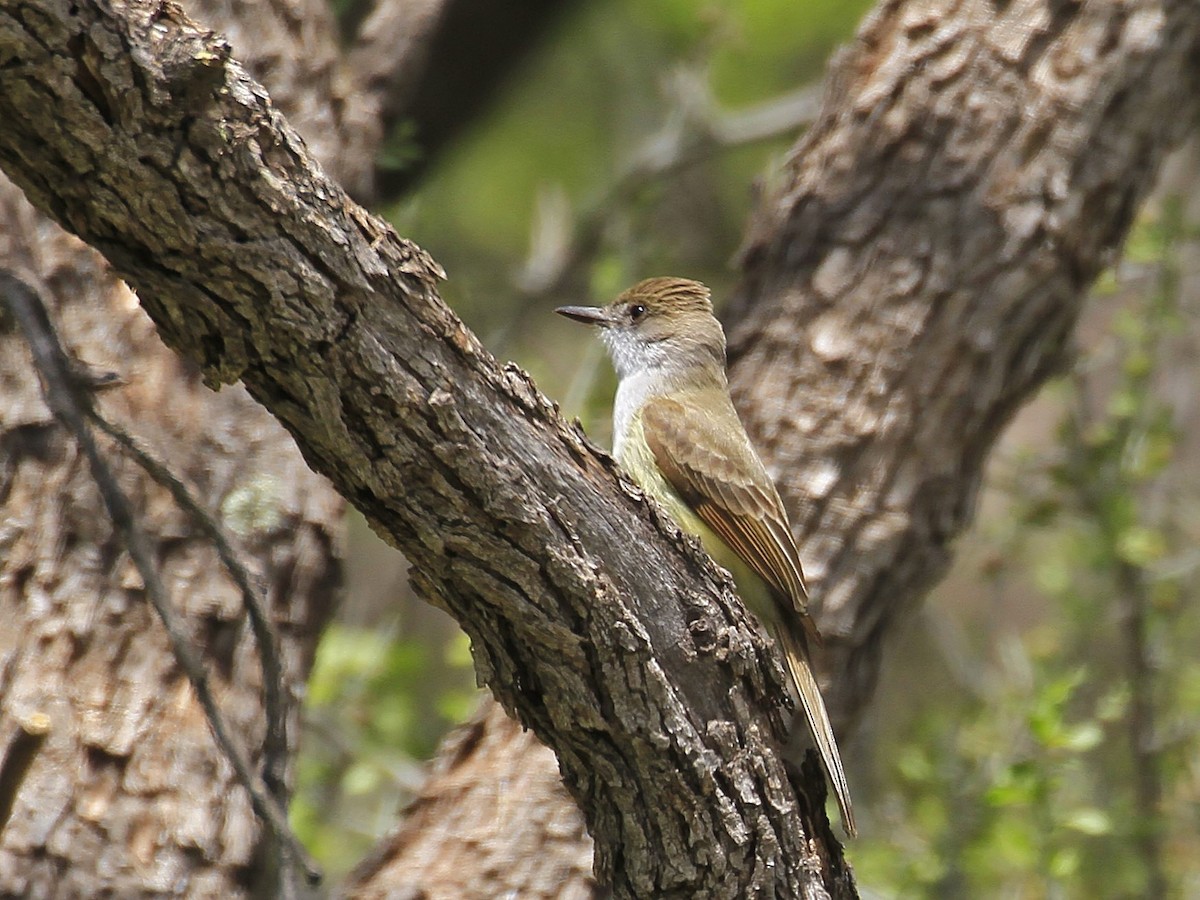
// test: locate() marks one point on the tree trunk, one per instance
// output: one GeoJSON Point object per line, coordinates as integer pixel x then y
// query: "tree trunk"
{"type": "Point", "coordinates": [920, 273]}
{"type": "Point", "coordinates": [637, 670]}
{"type": "Point", "coordinates": [928, 259]}
{"type": "Point", "coordinates": [129, 795]}
{"type": "Point", "coordinates": [493, 775]}
{"type": "Point", "coordinates": [911, 281]}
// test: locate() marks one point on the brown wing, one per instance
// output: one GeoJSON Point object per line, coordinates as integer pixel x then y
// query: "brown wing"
{"type": "Point", "coordinates": [708, 460]}
{"type": "Point", "coordinates": [706, 457]}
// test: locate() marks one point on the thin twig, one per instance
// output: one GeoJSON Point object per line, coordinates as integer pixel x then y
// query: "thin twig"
{"type": "Point", "coordinates": [275, 745]}
{"type": "Point", "coordinates": [695, 129]}
{"type": "Point", "coordinates": [60, 391]}
{"type": "Point", "coordinates": [1143, 737]}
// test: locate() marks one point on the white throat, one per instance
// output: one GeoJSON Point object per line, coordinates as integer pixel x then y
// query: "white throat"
{"type": "Point", "coordinates": [632, 393]}
{"type": "Point", "coordinates": [635, 389]}
{"type": "Point", "coordinates": [646, 369]}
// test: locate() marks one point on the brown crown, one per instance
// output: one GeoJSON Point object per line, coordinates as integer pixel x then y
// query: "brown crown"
{"type": "Point", "coordinates": [669, 293]}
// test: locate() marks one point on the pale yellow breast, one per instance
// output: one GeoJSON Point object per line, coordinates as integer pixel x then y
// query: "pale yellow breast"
{"type": "Point", "coordinates": [635, 456]}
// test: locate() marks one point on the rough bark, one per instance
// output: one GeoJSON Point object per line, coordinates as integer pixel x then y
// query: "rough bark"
{"type": "Point", "coordinates": [920, 273]}
{"type": "Point", "coordinates": [295, 49]}
{"type": "Point", "coordinates": [490, 764]}
{"type": "Point", "coordinates": [917, 274]}
{"type": "Point", "coordinates": [129, 795]}
{"type": "Point", "coordinates": [135, 129]}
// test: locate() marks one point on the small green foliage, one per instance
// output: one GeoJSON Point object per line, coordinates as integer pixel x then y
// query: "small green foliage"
{"type": "Point", "coordinates": [376, 707]}
{"type": "Point", "coordinates": [1021, 781]}
{"type": "Point", "coordinates": [1090, 820]}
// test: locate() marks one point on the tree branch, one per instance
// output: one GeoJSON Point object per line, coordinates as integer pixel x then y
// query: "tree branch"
{"type": "Point", "coordinates": [563, 244]}
{"type": "Point", "coordinates": [919, 271]}
{"type": "Point", "coordinates": [134, 129]}
{"type": "Point", "coordinates": [275, 746]}
{"type": "Point", "coordinates": [916, 271]}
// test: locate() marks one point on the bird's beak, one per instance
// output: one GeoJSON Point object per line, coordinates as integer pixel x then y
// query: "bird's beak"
{"type": "Point", "coordinates": [589, 315]}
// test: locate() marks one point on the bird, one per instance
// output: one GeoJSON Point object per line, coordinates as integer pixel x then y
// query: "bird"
{"type": "Point", "coordinates": [677, 434]}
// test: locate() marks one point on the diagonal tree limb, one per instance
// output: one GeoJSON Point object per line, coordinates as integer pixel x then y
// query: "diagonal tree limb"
{"type": "Point", "coordinates": [638, 669]}
{"type": "Point", "coordinates": [913, 276]}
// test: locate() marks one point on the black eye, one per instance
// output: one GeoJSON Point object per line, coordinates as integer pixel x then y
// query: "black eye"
{"type": "Point", "coordinates": [636, 311]}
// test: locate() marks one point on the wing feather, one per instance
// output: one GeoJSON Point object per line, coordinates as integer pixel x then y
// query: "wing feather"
{"type": "Point", "coordinates": [705, 456]}
{"type": "Point", "coordinates": [714, 468]}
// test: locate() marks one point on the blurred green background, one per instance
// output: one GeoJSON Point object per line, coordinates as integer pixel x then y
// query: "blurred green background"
{"type": "Point", "coordinates": [1021, 744]}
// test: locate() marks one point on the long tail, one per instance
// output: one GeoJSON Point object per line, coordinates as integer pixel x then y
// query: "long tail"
{"type": "Point", "coordinates": [795, 650]}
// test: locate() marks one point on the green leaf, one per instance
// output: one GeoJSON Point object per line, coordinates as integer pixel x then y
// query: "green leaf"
{"type": "Point", "coordinates": [1081, 738]}
{"type": "Point", "coordinates": [914, 764]}
{"type": "Point", "coordinates": [1141, 546]}
{"type": "Point", "coordinates": [1123, 404]}
{"type": "Point", "coordinates": [1090, 820]}
{"type": "Point", "coordinates": [361, 778]}
{"type": "Point", "coordinates": [1065, 862]}
{"type": "Point", "coordinates": [1054, 576]}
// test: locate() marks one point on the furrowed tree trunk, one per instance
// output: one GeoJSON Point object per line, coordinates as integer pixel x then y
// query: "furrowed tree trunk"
{"type": "Point", "coordinates": [920, 273]}
{"type": "Point", "coordinates": [648, 684]}
{"type": "Point", "coordinates": [911, 280]}
{"type": "Point", "coordinates": [488, 833]}
{"type": "Point", "coordinates": [129, 796]}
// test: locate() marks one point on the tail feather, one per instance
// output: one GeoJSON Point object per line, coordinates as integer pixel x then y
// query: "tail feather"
{"type": "Point", "coordinates": [795, 651]}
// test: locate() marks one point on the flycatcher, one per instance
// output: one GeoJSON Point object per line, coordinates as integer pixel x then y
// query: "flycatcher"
{"type": "Point", "coordinates": [675, 431]}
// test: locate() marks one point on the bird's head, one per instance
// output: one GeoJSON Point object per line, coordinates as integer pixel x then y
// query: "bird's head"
{"type": "Point", "coordinates": [659, 323]}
